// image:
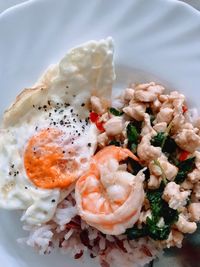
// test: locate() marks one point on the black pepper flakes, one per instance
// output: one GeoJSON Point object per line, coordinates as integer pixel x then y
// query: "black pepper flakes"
{"type": "Point", "coordinates": [53, 200]}
{"type": "Point", "coordinates": [83, 104]}
{"type": "Point", "coordinates": [89, 144]}
{"type": "Point", "coordinates": [66, 105]}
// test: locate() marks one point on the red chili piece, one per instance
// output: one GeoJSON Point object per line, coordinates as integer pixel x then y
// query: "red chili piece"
{"type": "Point", "coordinates": [184, 108]}
{"type": "Point", "coordinates": [99, 125]}
{"type": "Point", "coordinates": [93, 116]}
{"type": "Point", "coordinates": [183, 156]}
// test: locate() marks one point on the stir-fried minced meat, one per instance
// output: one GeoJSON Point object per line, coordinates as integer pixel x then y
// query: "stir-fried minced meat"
{"type": "Point", "coordinates": [166, 143]}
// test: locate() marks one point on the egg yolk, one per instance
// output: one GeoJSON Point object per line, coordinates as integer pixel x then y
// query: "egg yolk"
{"type": "Point", "coordinates": [45, 162]}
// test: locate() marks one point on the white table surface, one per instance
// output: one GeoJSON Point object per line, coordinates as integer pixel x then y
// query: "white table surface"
{"type": "Point", "coordinates": [5, 4]}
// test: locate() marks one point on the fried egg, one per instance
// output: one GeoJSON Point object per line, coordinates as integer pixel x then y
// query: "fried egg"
{"type": "Point", "coordinates": [46, 139]}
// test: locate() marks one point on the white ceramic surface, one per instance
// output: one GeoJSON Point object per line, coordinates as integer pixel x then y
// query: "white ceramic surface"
{"type": "Point", "coordinates": [154, 39]}
{"type": "Point", "coordinates": [5, 4]}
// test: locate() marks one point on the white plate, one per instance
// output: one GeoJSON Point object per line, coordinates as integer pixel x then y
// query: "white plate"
{"type": "Point", "coordinates": [154, 40]}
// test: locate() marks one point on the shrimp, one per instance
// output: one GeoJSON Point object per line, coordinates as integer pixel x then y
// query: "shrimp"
{"type": "Point", "coordinates": [107, 198]}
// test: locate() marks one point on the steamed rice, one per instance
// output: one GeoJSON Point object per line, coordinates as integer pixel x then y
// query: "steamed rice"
{"type": "Point", "coordinates": [70, 234]}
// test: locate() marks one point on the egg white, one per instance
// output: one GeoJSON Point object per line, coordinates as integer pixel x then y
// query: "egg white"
{"type": "Point", "coordinates": [60, 99]}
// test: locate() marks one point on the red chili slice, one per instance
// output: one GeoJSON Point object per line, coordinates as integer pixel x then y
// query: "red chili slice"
{"type": "Point", "coordinates": [183, 156]}
{"type": "Point", "coordinates": [184, 108]}
{"type": "Point", "coordinates": [93, 116]}
{"type": "Point", "coordinates": [99, 125]}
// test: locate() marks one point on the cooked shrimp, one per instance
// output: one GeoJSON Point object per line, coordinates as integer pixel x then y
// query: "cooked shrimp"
{"type": "Point", "coordinates": [107, 198]}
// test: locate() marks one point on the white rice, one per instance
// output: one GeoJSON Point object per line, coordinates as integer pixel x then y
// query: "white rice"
{"type": "Point", "coordinates": [110, 238]}
{"type": "Point", "coordinates": [73, 236]}
{"type": "Point", "coordinates": [84, 225]}
{"type": "Point", "coordinates": [64, 215]}
{"type": "Point", "coordinates": [93, 234]}
{"type": "Point", "coordinates": [102, 244]}
{"type": "Point", "coordinates": [135, 257]}
{"type": "Point", "coordinates": [39, 238]}
{"type": "Point", "coordinates": [127, 246]}
{"type": "Point", "coordinates": [69, 234]}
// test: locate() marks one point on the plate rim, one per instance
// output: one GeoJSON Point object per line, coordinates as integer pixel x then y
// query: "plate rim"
{"type": "Point", "coordinates": [28, 4]}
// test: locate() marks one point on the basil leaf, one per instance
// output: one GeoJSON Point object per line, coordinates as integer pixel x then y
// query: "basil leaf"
{"type": "Point", "coordinates": [116, 112]}
{"type": "Point", "coordinates": [132, 133]}
{"type": "Point", "coordinates": [115, 143]}
{"type": "Point", "coordinates": [185, 167]}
